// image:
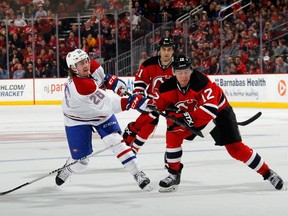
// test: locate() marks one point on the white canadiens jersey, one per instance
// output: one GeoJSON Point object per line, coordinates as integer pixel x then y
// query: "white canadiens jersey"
{"type": "Point", "coordinates": [84, 103]}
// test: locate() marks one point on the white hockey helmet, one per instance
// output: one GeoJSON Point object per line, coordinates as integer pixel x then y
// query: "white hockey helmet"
{"type": "Point", "coordinates": [74, 57]}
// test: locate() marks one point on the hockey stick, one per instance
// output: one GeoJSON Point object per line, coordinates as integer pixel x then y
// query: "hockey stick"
{"type": "Point", "coordinates": [174, 120]}
{"type": "Point", "coordinates": [56, 170]}
{"type": "Point", "coordinates": [243, 123]}
{"type": "Point", "coordinates": [250, 120]}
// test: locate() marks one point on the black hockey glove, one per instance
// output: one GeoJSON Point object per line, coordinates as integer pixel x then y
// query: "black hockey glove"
{"type": "Point", "coordinates": [184, 118]}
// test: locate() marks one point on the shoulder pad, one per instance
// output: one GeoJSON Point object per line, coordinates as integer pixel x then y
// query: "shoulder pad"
{"type": "Point", "coordinates": [94, 65]}
{"type": "Point", "coordinates": [198, 81]}
{"type": "Point", "coordinates": [150, 61]}
{"type": "Point", "coordinates": [84, 86]}
{"type": "Point", "coordinates": [168, 85]}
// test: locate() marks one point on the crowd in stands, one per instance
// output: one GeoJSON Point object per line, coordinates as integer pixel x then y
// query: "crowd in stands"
{"type": "Point", "coordinates": [239, 42]}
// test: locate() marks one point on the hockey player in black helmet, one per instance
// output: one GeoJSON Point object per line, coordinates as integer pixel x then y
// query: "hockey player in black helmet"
{"type": "Point", "coordinates": [153, 72]}
{"type": "Point", "coordinates": [200, 101]}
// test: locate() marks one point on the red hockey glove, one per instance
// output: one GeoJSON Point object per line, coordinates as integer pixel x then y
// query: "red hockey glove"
{"type": "Point", "coordinates": [137, 101]}
{"type": "Point", "coordinates": [115, 84]}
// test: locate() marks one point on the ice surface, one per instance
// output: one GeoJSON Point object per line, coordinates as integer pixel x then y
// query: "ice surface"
{"type": "Point", "coordinates": [32, 143]}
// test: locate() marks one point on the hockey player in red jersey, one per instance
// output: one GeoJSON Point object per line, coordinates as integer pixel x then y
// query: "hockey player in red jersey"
{"type": "Point", "coordinates": [151, 74]}
{"type": "Point", "coordinates": [200, 101]}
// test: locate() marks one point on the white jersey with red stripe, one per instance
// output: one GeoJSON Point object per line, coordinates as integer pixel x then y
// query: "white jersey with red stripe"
{"type": "Point", "coordinates": [85, 103]}
{"type": "Point", "coordinates": [97, 72]}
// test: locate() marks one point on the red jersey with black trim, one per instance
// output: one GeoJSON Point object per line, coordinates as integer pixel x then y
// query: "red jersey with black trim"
{"type": "Point", "coordinates": [151, 75]}
{"type": "Point", "coordinates": [202, 98]}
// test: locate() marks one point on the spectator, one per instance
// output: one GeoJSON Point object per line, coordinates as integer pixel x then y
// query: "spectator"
{"type": "Point", "coordinates": [136, 19]}
{"type": "Point", "coordinates": [41, 45]}
{"type": "Point", "coordinates": [40, 13]}
{"type": "Point", "coordinates": [268, 67]}
{"type": "Point", "coordinates": [72, 41]}
{"type": "Point", "coordinates": [29, 55]}
{"type": "Point", "coordinates": [86, 30]}
{"type": "Point", "coordinates": [213, 50]}
{"type": "Point", "coordinates": [252, 56]}
{"type": "Point", "coordinates": [91, 42]}
{"type": "Point", "coordinates": [241, 67]}
{"type": "Point", "coordinates": [166, 12]}
{"type": "Point", "coordinates": [275, 49]}
{"type": "Point", "coordinates": [2, 40]}
{"type": "Point", "coordinates": [19, 21]}
{"type": "Point", "coordinates": [144, 57]}
{"type": "Point", "coordinates": [29, 71]}
{"type": "Point", "coordinates": [39, 67]}
{"type": "Point", "coordinates": [214, 66]}
{"type": "Point", "coordinates": [283, 50]}
{"type": "Point", "coordinates": [13, 29]}
{"type": "Point", "coordinates": [16, 41]}
{"type": "Point", "coordinates": [24, 13]}
{"type": "Point", "coordinates": [16, 55]}
{"type": "Point", "coordinates": [50, 69]}
{"type": "Point", "coordinates": [110, 45]}
{"type": "Point", "coordinates": [281, 66]}
{"type": "Point", "coordinates": [3, 57]}
{"type": "Point", "coordinates": [254, 68]}
{"type": "Point", "coordinates": [63, 49]}
{"type": "Point", "coordinates": [231, 69]}
{"type": "Point", "coordinates": [52, 42]}
{"type": "Point", "coordinates": [3, 73]}
{"type": "Point", "coordinates": [84, 45]}
{"type": "Point", "coordinates": [19, 72]}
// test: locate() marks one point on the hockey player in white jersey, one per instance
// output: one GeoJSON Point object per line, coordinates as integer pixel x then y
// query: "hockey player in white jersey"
{"type": "Point", "coordinates": [87, 107]}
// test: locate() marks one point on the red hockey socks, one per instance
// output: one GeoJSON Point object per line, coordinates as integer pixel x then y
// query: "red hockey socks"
{"type": "Point", "coordinates": [251, 158]}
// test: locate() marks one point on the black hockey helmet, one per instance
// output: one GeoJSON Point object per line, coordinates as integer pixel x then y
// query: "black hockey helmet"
{"type": "Point", "coordinates": [181, 62]}
{"type": "Point", "coordinates": [166, 42]}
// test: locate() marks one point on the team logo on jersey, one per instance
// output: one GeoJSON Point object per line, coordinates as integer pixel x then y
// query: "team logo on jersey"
{"type": "Point", "coordinates": [159, 80]}
{"type": "Point", "coordinates": [189, 104]}
{"type": "Point", "coordinates": [156, 84]}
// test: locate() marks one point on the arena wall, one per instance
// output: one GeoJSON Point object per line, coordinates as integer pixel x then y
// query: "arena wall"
{"type": "Point", "coordinates": [266, 90]}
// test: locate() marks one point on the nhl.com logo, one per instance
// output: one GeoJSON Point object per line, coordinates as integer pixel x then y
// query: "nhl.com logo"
{"type": "Point", "coordinates": [282, 87]}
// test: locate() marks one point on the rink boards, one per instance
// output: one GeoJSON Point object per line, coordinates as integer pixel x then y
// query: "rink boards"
{"type": "Point", "coordinates": [261, 90]}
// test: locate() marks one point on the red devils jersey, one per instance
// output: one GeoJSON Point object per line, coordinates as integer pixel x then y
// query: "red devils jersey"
{"type": "Point", "coordinates": [202, 98]}
{"type": "Point", "coordinates": [151, 75]}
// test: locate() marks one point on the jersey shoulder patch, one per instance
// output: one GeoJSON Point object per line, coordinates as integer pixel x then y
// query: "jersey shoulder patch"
{"type": "Point", "coordinates": [168, 85]}
{"type": "Point", "coordinates": [198, 81]}
{"type": "Point", "coordinates": [84, 86]}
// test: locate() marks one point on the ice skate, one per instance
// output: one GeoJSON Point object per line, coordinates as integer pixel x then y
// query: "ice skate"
{"type": "Point", "coordinates": [62, 176]}
{"type": "Point", "coordinates": [275, 180]}
{"type": "Point", "coordinates": [171, 182]}
{"type": "Point", "coordinates": [143, 181]}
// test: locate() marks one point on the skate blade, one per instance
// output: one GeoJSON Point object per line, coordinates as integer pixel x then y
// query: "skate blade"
{"type": "Point", "coordinates": [148, 188]}
{"type": "Point", "coordinates": [169, 189]}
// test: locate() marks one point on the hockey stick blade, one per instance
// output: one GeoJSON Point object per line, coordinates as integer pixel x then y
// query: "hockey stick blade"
{"type": "Point", "coordinates": [56, 170]}
{"type": "Point", "coordinates": [250, 120]}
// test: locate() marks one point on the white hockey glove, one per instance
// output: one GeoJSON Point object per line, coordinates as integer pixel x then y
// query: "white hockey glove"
{"type": "Point", "coordinates": [115, 84]}
{"type": "Point", "coordinates": [137, 101]}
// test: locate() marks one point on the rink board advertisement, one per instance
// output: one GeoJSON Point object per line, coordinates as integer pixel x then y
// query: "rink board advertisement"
{"type": "Point", "coordinates": [269, 90]}
{"type": "Point", "coordinates": [18, 91]}
{"type": "Point", "coordinates": [50, 91]}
